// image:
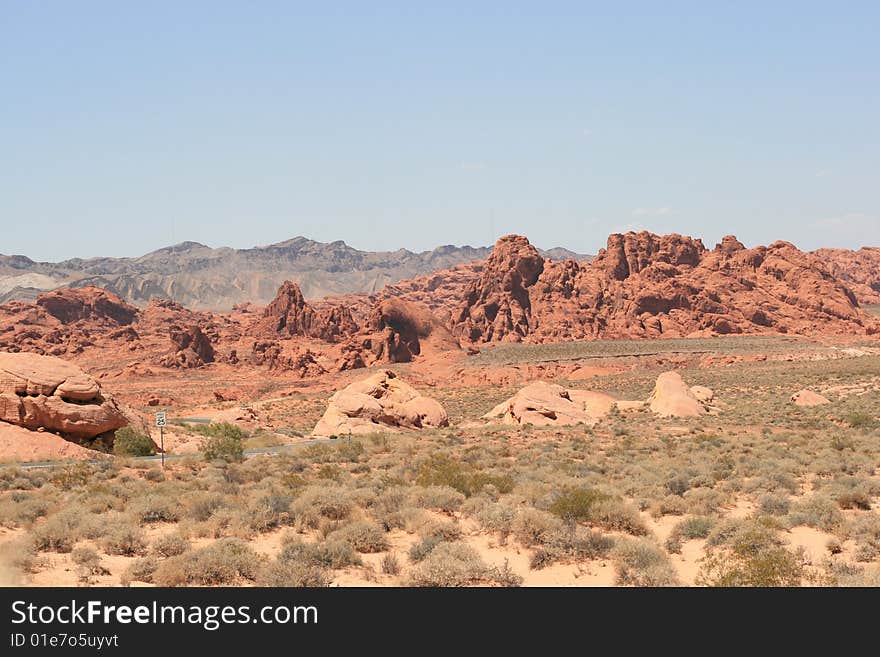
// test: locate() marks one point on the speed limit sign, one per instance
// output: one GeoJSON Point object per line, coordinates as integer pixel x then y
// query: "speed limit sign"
{"type": "Point", "coordinates": [160, 419]}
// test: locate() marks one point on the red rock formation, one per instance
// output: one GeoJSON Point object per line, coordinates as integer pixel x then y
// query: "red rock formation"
{"type": "Point", "coordinates": [646, 285]}
{"type": "Point", "coordinates": [290, 315]}
{"type": "Point", "coordinates": [858, 269]}
{"type": "Point", "coordinates": [498, 307]}
{"type": "Point", "coordinates": [43, 393]}
{"type": "Point", "coordinates": [69, 305]}
{"type": "Point", "coordinates": [191, 348]}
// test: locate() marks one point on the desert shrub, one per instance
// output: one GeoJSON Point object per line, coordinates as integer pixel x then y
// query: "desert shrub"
{"type": "Point", "coordinates": [270, 511]}
{"type": "Point", "coordinates": [224, 442]}
{"type": "Point", "coordinates": [856, 498]}
{"type": "Point", "coordinates": [535, 527]}
{"type": "Point", "coordinates": [504, 576]}
{"type": "Point", "coordinates": [442, 470]}
{"type": "Point", "coordinates": [497, 518]}
{"type": "Point", "coordinates": [447, 531]}
{"type": "Point", "coordinates": [772, 566]}
{"type": "Point", "coordinates": [815, 511]}
{"type": "Point", "coordinates": [689, 529]}
{"type": "Point", "coordinates": [323, 554]}
{"type": "Point", "coordinates": [865, 530]}
{"type": "Point", "coordinates": [200, 506]}
{"type": "Point", "coordinates": [364, 536]}
{"type": "Point", "coordinates": [847, 574]}
{"type": "Point", "coordinates": [281, 573]}
{"type": "Point", "coordinates": [774, 504]}
{"type": "Point", "coordinates": [744, 535]}
{"type": "Point", "coordinates": [639, 562]}
{"type": "Point", "coordinates": [576, 504]}
{"type": "Point", "coordinates": [124, 539]}
{"type": "Point", "coordinates": [225, 561]}
{"type": "Point", "coordinates": [861, 420]}
{"type": "Point", "coordinates": [418, 551]}
{"type": "Point", "coordinates": [170, 545]}
{"type": "Point", "coordinates": [442, 498]}
{"type": "Point", "coordinates": [616, 515]}
{"type": "Point", "coordinates": [140, 570]}
{"type": "Point", "coordinates": [155, 508]}
{"type": "Point", "coordinates": [88, 563]}
{"type": "Point", "coordinates": [72, 476]}
{"type": "Point", "coordinates": [450, 564]}
{"type": "Point", "coordinates": [390, 565]}
{"type": "Point", "coordinates": [58, 532]}
{"type": "Point", "coordinates": [23, 509]}
{"type": "Point", "coordinates": [155, 475]}
{"type": "Point", "coordinates": [128, 441]}
{"type": "Point", "coordinates": [314, 503]}
{"type": "Point", "coordinates": [579, 544]}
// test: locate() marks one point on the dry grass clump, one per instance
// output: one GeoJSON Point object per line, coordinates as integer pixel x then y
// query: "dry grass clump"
{"type": "Point", "coordinates": [226, 561]}
{"type": "Point", "coordinates": [170, 545]}
{"type": "Point", "coordinates": [363, 535]}
{"type": "Point", "coordinates": [640, 562]}
{"type": "Point", "coordinates": [450, 564]}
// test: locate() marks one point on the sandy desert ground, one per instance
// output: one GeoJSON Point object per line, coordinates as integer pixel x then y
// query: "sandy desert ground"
{"type": "Point", "coordinates": [759, 491]}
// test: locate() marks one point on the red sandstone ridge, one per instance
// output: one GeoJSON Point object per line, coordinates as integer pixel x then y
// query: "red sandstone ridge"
{"type": "Point", "coordinates": [498, 306]}
{"type": "Point", "coordinates": [646, 285]}
{"type": "Point", "coordinates": [70, 305]}
{"type": "Point", "coordinates": [290, 315]}
{"type": "Point", "coordinates": [860, 270]}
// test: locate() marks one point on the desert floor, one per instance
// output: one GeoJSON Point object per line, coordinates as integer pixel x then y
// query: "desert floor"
{"type": "Point", "coordinates": [760, 492]}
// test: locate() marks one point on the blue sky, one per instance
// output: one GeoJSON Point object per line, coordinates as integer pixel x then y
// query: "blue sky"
{"type": "Point", "coordinates": [127, 126]}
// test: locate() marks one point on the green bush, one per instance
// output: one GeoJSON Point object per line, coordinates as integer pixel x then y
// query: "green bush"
{"type": "Point", "coordinates": [128, 441]}
{"type": "Point", "coordinates": [224, 442]}
{"type": "Point", "coordinates": [443, 470]}
{"type": "Point", "coordinates": [576, 504]}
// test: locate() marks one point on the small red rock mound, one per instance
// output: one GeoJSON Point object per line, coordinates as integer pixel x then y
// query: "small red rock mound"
{"type": "Point", "coordinates": [859, 269]}
{"type": "Point", "coordinates": [382, 402]}
{"type": "Point", "coordinates": [43, 393]}
{"type": "Point", "coordinates": [190, 348]}
{"type": "Point", "coordinates": [497, 307]}
{"type": "Point", "coordinates": [547, 404]}
{"type": "Point", "coordinates": [290, 315]}
{"type": "Point", "coordinates": [808, 398]}
{"type": "Point", "coordinates": [69, 305]}
{"type": "Point", "coordinates": [273, 355]}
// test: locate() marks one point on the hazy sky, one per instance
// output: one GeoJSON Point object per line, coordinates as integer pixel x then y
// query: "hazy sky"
{"type": "Point", "coordinates": [126, 126]}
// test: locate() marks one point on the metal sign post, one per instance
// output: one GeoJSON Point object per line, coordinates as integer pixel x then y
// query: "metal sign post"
{"type": "Point", "coordinates": [160, 422]}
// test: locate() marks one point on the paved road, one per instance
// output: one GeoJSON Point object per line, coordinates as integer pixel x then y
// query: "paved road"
{"type": "Point", "coordinates": [169, 457]}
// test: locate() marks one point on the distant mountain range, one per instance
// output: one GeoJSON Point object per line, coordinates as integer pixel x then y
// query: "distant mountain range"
{"type": "Point", "coordinates": [206, 278]}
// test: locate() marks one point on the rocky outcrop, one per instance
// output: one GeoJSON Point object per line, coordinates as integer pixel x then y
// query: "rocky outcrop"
{"type": "Point", "coordinates": [396, 331]}
{"type": "Point", "coordinates": [671, 397]}
{"type": "Point", "coordinates": [44, 393]}
{"type": "Point", "coordinates": [860, 270]}
{"type": "Point", "coordinates": [644, 285]}
{"type": "Point", "coordinates": [547, 404]}
{"type": "Point", "coordinates": [808, 398]}
{"type": "Point", "coordinates": [290, 315]}
{"type": "Point", "coordinates": [190, 348]}
{"type": "Point", "coordinates": [69, 305]}
{"type": "Point", "coordinates": [497, 307]}
{"type": "Point", "coordinates": [381, 402]}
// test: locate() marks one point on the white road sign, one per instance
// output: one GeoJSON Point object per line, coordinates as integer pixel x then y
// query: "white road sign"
{"type": "Point", "coordinates": [160, 418]}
